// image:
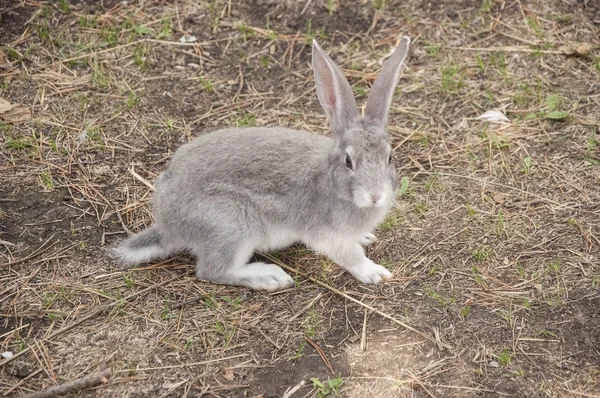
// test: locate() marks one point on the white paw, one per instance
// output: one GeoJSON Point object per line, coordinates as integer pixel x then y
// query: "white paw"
{"type": "Point", "coordinates": [367, 239]}
{"type": "Point", "coordinates": [262, 276]}
{"type": "Point", "coordinates": [369, 272]}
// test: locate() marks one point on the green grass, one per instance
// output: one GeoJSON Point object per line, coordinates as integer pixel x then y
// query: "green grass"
{"type": "Point", "coordinates": [391, 221]}
{"type": "Point", "coordinates": [234, 303]}
{"type": "Point", "coordinates": [504, 357]}
{"type": "Point", "coordinates": [420, 207]}
{"type": "Point", "coordinates": [225, 331]}
{"type": "Point", "coordinates": [403, 187]}
{"type": "Point", "coordinates": [87, 21]}
{"type": "Point", "coordinates": [481, 254]}
{"type": "Point", "coordinates": [47, 180]}
{"type": "Point", "coordinates": [436, 296]}
{"type": "Point", "coordinates": [526, 169]}
{"type": "Point", "coordinates": [312, 323]}
{"type": "Point", "coordinates": [246, 32]}
{"type": "Point", "coordinates": [247, 120]}
{"type": "Point", "coordinates": [471, 211]}
{"type": "Point", "coordinates": [165, 28]}
{"type": "Point", "coordinates": [378, 4]}
{"type": "Point", "coordinates": [140, 54]}
{"type": "Point", "coordinates": [477, 276]}
{"type": "Point", "coordinates": [486, 5]}
{"type": "Point", "coordinates": [206, 84]}
{"type": "Point", "coordinates": [99, 77]}
{"type": "Point", "coordinates": [16, 144]}
{"type": "Point", "coordinates": [63, 5]}
{"type": "Point", "coordinates": [299, 351]}
{"type": "Point", "coordinates": [133, 99]}
{"type": "Point", "coordinates": [465, 311]}
{"type": "Point", "coordinates": [48, 299]}
{"type": "Point", "coordinates": [330, 6]}
{"type": "Point", "coordinates": [42, 30]}
{"type": "Point", "coordinates": [433, 49]}
{"type": "Point", "coordinates": [452, 78]}
{"type": "Point", "coordinates": [500, 226]}
{"type": "Point", "coordinates": [128, 279]}
{"type": "Point", "coordinates": [553, 267]}
{"type": "Point", "coordinates": [434, 269]}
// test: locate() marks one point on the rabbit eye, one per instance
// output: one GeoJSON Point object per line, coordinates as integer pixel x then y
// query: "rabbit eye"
{"type": "Point", "coordinates": [390, 159]}
{"type": "Point", "coordinates": [348, 162]}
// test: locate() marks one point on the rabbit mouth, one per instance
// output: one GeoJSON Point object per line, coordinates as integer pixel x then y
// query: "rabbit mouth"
{"type": "Point", "coordinates": [370, 199]}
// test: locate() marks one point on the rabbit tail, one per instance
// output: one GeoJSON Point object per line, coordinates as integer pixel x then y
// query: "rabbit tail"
{"type": "Point", "coordinates": [141, 247]}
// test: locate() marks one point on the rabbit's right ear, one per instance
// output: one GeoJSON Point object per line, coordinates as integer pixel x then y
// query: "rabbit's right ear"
{"type": "Point", "coordinates": [333, 90]}
{"type": "Point", "coordinates": [380, 99]}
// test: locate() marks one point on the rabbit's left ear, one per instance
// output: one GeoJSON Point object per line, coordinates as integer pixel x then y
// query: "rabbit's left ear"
{"type": "Point", "coordinates": [333, 90]}
{"type": "Point", "coordinates": [382, 92]}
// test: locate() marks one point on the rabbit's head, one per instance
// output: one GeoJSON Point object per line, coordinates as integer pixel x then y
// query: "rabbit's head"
{"type": "Point", "coordinates": [360, 162]}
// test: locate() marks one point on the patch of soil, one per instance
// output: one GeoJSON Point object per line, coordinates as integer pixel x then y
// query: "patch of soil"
{"type": "Point", "coordinates": [13, 15]}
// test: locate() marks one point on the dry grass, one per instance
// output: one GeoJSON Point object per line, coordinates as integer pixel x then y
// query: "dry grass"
{"type": "Point", "coordinates": [494, 243]}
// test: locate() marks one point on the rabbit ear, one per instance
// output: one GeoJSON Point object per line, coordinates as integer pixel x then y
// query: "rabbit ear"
{"type": "Point", "coordinates": [333, 90]}
{"type": "Point", "coordinates": [382, 92]}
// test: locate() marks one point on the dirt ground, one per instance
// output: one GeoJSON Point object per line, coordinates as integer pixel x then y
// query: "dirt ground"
{"type": "Point", "coordinates": [494, 242]}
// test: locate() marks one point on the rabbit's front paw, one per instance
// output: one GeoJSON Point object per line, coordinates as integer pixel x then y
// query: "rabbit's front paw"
{"type": "Point", "coordinates": [369, 272]}
{"type": "Point", "coordinates": [367, 239]}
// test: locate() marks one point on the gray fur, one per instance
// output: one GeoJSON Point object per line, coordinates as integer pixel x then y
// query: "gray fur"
{"type": "Point", "coordinates": [233, 191]}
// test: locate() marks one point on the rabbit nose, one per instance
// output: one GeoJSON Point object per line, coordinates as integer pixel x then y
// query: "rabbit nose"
{"type": "Point", "coordinates": [376, 197]}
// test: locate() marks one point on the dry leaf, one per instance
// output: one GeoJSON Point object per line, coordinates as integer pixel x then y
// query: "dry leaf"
{"type": "Point", "coordinates": [13, 113]}
{"type": "Point", "coordinates": [573, 48]}
{"type": "Point", "coordinates": [5, 105]}
{"type": "Point", "coordinates": [228, 374]}
{"type": "Point", "coordinates": [2, 57]}
{"type": "Point", "coordinates": [188, 39]}
{"type": "Point", "coordinates": [499, 197]}
{"type": "Point", "coordinates": [493, 116]}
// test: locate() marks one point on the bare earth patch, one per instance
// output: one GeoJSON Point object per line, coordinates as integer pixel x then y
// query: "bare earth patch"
{"type": "Point", "coordinates": [494, 242]}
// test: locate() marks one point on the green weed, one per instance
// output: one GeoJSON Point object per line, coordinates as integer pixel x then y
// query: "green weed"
{"type": "Point", "coordinates": [47, 180]}
{"type": "Point", "coordinates": [391, 221]}
{"type": "Point", "coordinates": [299, 351]}
{"type": "Point", "coordinates": [504, 357]}
{"type": "Point", "coordinates": [248, 120]}
{"type": "Point", "coordinates": [481, 254]}
{"type": "Point", "coordinates": [464, 311]}
{"type": "Point", "coordinates": [206, 84]}
{"type": "Point", "coordinates": [328, 387]}
{"type": "Point", "coordinates": [452, 78]}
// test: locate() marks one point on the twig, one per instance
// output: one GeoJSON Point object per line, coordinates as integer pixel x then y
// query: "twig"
{"type": "Point", "coordinates": [412, 376]}
{"type": "Point", "coordinates": [186, 302]}
{"type": "Point", "coordinates": [19, 384]}
{"type": "Point", "coordinates": [141, 179]}
{"type": "Point", "coordinates": [93, 313]}
{"type": "Point", "coordinates": [363, 335]}
{"type": "Point", "coordinates": [239, 90]}
{"type": "Point", "coordinates": [305, 7]}
{"type": "Point", "coordinates": [293, 390]}
{"type": "Point", "coordinates": [338, 292]}
{"type": "Point", "coordinates": [84, 382]}
{"type": "Point", "coordinates": [504, 186]}
{"type": "Point", "coordinates": [321, 354]}
{"type": "Point", "coordinates": [306, 308]}
{"type": "Point", "coordinates": [509, 49]}
{"type": "Point", "coordinates": [183, 365]}
{"type": "Point", "coordinates": [36, 253]}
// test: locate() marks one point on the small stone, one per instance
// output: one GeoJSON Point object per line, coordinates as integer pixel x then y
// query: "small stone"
{"type": "Point", "coordinates": [494, 364]}
{"type": "Point", "coordinates": [7, 355]}
{"type": "Point", "coordinates": [23, 371]}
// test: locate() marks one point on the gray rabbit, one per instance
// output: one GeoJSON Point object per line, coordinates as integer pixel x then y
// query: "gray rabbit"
{"type": "Point", "coordinates": [231, 192]}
